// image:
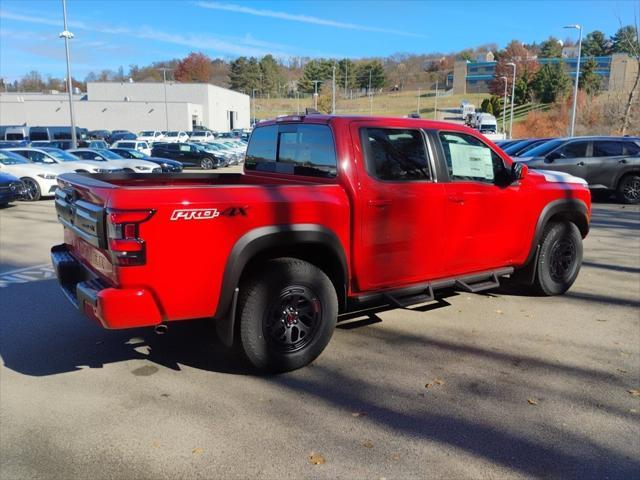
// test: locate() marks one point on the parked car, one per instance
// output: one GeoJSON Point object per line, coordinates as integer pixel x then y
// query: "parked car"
{"type": "Point", "coordinates": [189, 154]}
{"type": "Point", "coordinates": [139, 145]}
{"type": "Point", "coordinates": [115, 161]}
{"type": "Point", "coordinates": [120, 135]}
{"type": "Point", "coordinates": [100, 144]}
{"type": "Point", "coordinates": [39, 180]}
{"type": "Point", "coordinates": [60, 160]}
{"type": "Point", "coordinates": [12, 144]}
{"type": "Point", "coordinates": [151, 136]}
{"type": "Point", "coordinates": [16, 133]}
{"type": "Point", "coordinates": [231, 157]}
{"type": "Point", "coordinates": [201, 136]}
{"type": "Point", "coordinates": [167, 165]}
{"type": "Point", "coordinates": [176, 137]}
{"type": "Point", "coordinates": [606, 163]}
{"type": "Point", "coordinates": [99, 134]}
{"type": "Point", "coordinates": [518, 149]}
{"type": "Point", "coordinates": [505, 143]}
{"type": "Point", "coordinates": [338, 212]}
{"type": "Point", "coordinates": [11, 188]}
{"type": "Point", "coordinates": [61, 144]}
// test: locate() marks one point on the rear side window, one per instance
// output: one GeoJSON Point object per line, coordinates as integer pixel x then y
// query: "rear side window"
{"type": "Point", "coordinates": [631, 148]}
{"type": "Point", "coordinates": [395, 154]}
{"type": "Point", "coordinates": [293, 149]}
{"type": "Point", "coordinates": [574, 150]}
{"type": "Point", "coordinates": [607, 148]}
{"type": "Point", "coordinates": [469, 159]}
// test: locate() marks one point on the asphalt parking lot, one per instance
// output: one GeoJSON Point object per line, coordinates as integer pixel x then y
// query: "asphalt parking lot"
{"type": "Point", "coordinates": [483, 386]}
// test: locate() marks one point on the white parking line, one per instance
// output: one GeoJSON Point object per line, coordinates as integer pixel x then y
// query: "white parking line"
{"type": "Point", "coordinates": [34, 273]}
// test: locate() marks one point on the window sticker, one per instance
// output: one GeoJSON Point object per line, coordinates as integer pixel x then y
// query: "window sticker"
{"type": "Point", "coordinates": [471, 161]}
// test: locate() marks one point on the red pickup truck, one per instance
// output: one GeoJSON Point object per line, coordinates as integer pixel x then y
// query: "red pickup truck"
{"type": "Point", "coordinates": [332, 213]}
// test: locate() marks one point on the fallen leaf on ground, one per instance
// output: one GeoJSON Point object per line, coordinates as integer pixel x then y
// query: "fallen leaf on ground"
{"type": "Point", "coordinates": [368, 444]}
{"type": "Point", "coordinates": [316, 459]}
{"type": "Point", "coordinates": [438, 381]}
{"type": "Point", "coordinates": [359, 414]}
{"type": "Point", "coordinates": [633, 410]}
{"type": "Point", "coordinates": [635, 392]}
{"type": "Point", "coordinates": [532, 401]}
{"type": "Point", "coordinates": [499, 311]}
{"type": "Point", "coordinates": [395, 456]}
{"type": "Point", "coordinates": [197, 451]}
{"type": "Point", "coordinates": [621, 370]}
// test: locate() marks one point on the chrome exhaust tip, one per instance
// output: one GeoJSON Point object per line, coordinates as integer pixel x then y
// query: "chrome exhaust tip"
{"type": "Point", "coordinates": [161, 329]}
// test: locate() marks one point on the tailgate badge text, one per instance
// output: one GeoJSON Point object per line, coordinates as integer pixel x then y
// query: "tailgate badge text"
{"type": "Point", "coordinates": [195, 214]}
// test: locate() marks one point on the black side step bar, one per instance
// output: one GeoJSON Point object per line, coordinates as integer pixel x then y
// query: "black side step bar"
{"type": "Point", "coordinates": [408, 300]}
{"type": "Point", "coordinates": [488, 284]}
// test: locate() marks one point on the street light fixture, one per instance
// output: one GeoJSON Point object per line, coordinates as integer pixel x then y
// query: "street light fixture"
{"type": "Point", "coordinates": [504, 105]}
{"type": "Point", "coordinates": [575, 87]}
{"type": "Point", "coordinates": [67, 35]}
{"type": "Point", "coordinates": [513, 94]}
{"type": "Point", "coordinates": [253, 101]}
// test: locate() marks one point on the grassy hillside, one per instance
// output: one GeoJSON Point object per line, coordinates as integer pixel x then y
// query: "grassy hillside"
{"type": "Point", "coordinates": [392, 104]}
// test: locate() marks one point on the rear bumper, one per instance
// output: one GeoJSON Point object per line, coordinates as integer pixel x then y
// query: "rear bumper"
{"type": "Point", "coordinates": [113, 308]}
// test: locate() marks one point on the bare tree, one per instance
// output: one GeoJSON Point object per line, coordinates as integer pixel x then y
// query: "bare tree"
{"type": "Point", "coordinates": [631, 42]}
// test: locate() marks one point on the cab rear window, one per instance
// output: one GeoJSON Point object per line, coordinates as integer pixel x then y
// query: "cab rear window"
{"type": "Point", "coordinates": [293, 149]}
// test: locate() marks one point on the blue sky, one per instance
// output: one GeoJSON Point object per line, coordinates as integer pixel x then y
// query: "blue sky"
{"type": "Point", "coordinates": [109, 34]}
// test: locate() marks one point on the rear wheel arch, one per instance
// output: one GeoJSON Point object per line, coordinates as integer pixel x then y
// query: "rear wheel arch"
{"type": "Point", "coordinates": [311, 243]}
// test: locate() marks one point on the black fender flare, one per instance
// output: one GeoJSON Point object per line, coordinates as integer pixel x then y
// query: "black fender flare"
{"type": "Point", "coordinates": [260, 240]}
{"type": "Point", "coordinates": [573, 208]}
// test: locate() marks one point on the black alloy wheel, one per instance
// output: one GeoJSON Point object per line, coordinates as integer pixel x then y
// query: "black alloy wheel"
{"type": "Point", "coordinates": [293, 319]}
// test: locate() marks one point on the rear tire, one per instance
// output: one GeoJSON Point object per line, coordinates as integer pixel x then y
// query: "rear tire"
{"type": "Point", "coordinates": [559, 260]}
{"type": "Point", "coordinates": [32, 190]}
{"type": "Point", "coordinates": [287, 313]}
{"type": "Point", "coordinates": [628, 190]}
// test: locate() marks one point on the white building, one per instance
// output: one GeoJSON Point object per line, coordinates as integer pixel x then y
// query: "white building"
{"type": "Point", "coordinates": [132, 106]}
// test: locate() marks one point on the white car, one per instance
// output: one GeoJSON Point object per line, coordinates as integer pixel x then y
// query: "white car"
{"type": "Point", "coordinates": [176, 137]}
{"type": "Point", "coordinates": [138, 145]}
{"type": "Point", "coordinates": [39, 180]}
{"type": "Point", "coordinates": [202, 136]}
{"type": "Point", "coordinates": [151, 136]}
{"type": "Point", "coordinates": [59, 160]}
{"type": "Point", "coordinates": [113, 160]}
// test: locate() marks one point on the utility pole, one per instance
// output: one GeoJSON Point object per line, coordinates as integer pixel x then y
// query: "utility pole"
{"type": "Point", "coordinates": [333, 90]}
{"type": "Point", "coordinates": [575, 87]}
{"type": "Point", "coordinates": [67, 35]}
{"type": "Point", "coordinates": [418, 110]}
{"type": "Point", "coordinates": [504, 106]}
{"type": "Point", "coordinates": [297, 102]}
{"type": "Point", "coordinates": [513, 95]}
{"type": "Point", "coordinates": [346, 67]}
{"type": "Point", "coordinates": [435, 106]}
{"type": "Point", "coordinates": [166, 109]}
{"type": "Point", "coordinates": [370, 96]}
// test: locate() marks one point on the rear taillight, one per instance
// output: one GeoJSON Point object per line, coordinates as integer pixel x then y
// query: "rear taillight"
{"type": "Point", "coordinates": [123, 231]}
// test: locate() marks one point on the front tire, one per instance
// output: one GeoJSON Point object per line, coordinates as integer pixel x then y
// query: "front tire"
{"type": "Point", "coordinates": [559, 260]}
{"type": "Point", "coordinates": [207, 163]}
{"type": "Point", "coordinates": [628, 190]}
{"type": "Point", "coordinates": [32, 191]}
{"type": "Point", "coordinates": [287, 314]}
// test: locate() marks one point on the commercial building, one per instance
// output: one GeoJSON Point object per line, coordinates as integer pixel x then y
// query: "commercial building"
{"type": "Point", "coordinates": [132, 106]}
{"type": "Point", "coordinates": [617, 71]}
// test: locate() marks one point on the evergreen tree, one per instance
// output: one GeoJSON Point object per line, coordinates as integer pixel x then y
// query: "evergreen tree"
{"type": "Point", "coordinates": [319, 70]}
{"type": "Point", "coordinates": [589, 80]}
{"type": "Point", "coordinates": [272, 77]}
{"type": "Point", "coordinates": [371, 71]}
{"type": "Point", "coordinates": [596, 44]}
{"type": "Point", "coordinates": [551, 82]}
{"type": "Point", "coordinates": [550, 48]}
{"type": "Point", "coordinates": [626, 40]}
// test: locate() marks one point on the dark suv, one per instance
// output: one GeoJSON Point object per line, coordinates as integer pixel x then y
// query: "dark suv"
{"type": "Point", "coordinates": [189, 154]}
{"type": "Point", "coordinates": [611, 163]}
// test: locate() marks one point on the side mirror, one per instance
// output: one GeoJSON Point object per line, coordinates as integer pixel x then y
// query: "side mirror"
{"type": "Point", "coordinates": [518, 171]}
{"type": "Point", "coordinates": [553, 156]}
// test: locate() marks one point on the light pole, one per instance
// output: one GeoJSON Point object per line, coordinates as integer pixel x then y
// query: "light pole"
{"type": "Point", "coordinates": [370, 96]}
{"type": "Point", "coordinates": [575, 87]}
{"type": "Point", "coordinates": [67, 35]}
{"type": "Point", "coordinates": [435, 103]}
{"type": "Point", "coordinates": [333, 90]}
{"type": "Point", "coordinates": [513, 95]}
{"type": "Point", "coordinates": [504, 105]}
{"type": "Point", "coordinates": [315, 93]}
{"type": "Point", "coordinates": [164, 81]}
{"type": "Point", "coordinates": [253, 97]}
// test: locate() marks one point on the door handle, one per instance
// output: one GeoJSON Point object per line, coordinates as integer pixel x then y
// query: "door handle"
{"type": "Point", "coordinates": [378, 203]}
{"type": "Point", "coordinates": [580, 164]}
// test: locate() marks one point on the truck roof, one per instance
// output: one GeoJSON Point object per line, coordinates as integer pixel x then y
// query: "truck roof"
{"type": "Point", "coordinates": [326, 119]}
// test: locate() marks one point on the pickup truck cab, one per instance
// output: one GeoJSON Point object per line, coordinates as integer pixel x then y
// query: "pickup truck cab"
{"type": "Point", "coordinates": [331, 214]}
